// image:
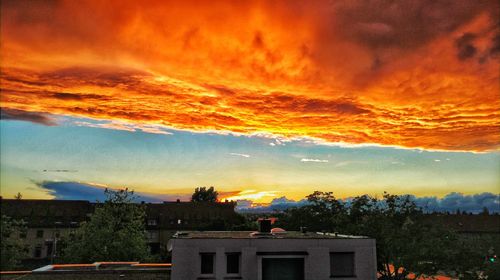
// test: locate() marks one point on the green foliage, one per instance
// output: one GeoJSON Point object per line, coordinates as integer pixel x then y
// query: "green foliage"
{"type": "Point", "coordinates": [12, 249]}
{"type": "Point", "coordinates": [404, 238]}
{"type": "Point", "coordinates": [115, 232]}
{"type": "Point", "coordinates": [203, 194]}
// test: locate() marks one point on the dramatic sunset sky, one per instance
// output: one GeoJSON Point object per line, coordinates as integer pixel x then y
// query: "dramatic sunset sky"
{"type": "Point", "coordinates": [261, 99]}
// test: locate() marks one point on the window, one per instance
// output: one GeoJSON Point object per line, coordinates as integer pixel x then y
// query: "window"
{"type": "Point", "coordinates": [342, 264]}
{"type": "Point", "coordinates": [233, 263]}
{"type": "Point", "coordinates": [152, 235]}
{"type": "Point", "coordinates": [38, 251]}
{"type": "Point", "coordinates": [207, 263]}
{"type": "Point", "coordinates": [152, 222]}
{"type": "Point", "coordinates": [39, 233]}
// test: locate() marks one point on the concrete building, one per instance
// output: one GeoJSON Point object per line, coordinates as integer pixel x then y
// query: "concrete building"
{"type": "Point", "coordinates": [49, 220]}
{"type": "Point", "coordinates": [265, 255]}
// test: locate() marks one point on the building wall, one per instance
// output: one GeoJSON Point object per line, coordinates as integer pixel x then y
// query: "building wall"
{"type": "Point", "coordinates": [47, 242]}
{"type": "Point", "coordinates": [186, 261]}
{"type": "Point", "coordinates": [63, 216]}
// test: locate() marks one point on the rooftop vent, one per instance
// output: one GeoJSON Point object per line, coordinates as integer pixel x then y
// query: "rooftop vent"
{"type": "Point", "coordinates": [277, 230]}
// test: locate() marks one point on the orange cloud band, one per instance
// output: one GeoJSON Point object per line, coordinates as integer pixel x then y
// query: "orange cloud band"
{"type": "Point", "coordinates": [420, 75]}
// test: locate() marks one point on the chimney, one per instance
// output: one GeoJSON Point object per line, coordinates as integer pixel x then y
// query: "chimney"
{"type": "Point", "coordinates": [264, 226]}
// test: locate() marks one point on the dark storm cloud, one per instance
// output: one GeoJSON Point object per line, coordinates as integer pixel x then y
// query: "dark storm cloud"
{"type": "Point", "coordinates": [495, 44]}
{"type": "Point", "coordinates": [20, 115]}
{"type": "Point", "coordinates": [465, 46]}
{"type": "Point", "coordinates": [100, 76]}
{"type": "Point", "coordinates": [89, 192]}
{"type": "Point", "coordinates": [403, 24]}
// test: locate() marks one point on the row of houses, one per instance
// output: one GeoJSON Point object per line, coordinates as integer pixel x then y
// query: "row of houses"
{"type": "Point", "coordinates": [199, 252]}
{"type": "Point", "coordinates": [49, 220]}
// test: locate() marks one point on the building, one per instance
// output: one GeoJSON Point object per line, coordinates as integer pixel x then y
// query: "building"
{"type": "Point", "coordinates": [467, 224]}
{"type": "Point", "coordinates": [50, 220]}
{"type": "Point", "coordinates": [267, 255]}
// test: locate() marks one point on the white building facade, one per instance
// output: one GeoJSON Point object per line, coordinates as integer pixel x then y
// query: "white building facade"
{"type": "Point", "coordinates": [280, 256]}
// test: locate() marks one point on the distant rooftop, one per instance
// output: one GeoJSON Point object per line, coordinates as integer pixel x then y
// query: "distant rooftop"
{"type": "Point", "coordinates": [256, 235]}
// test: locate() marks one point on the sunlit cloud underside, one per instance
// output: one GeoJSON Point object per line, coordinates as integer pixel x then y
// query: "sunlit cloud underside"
{"type": "Point", "coordinates": [415, 75]}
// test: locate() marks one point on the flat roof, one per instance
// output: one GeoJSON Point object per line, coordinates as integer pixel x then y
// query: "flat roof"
{"type": "Point", "coordinates": [257, 235]}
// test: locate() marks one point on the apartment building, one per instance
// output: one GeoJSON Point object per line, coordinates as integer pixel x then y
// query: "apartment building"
{"type": "Point", "coordinates": [49, 220]}
{"type": "Point", "coordinates": [271, 254]}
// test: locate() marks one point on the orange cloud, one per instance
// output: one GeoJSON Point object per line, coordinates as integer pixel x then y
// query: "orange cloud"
{"type": "Point", "coordinates": [253, 195]}
{"type": "Point", "coordinates": [421, 75]}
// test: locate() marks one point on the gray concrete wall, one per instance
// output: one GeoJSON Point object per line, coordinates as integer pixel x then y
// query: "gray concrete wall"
{"type": "Point", "coordinates": [186, 256]}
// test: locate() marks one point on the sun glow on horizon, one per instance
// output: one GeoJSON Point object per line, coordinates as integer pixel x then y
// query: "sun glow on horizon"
{"type": "Point", "coordinates": [253, 195]}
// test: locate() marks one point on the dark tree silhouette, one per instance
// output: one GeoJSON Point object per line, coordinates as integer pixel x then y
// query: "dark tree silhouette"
{"type": "Point", "coordinates": [115, 232]}
{"type": "Point", "coordinates": [18, 196]}
{"type": "Point", "coordinates": [12, 247]}
{"type": "Point", "coordinates": [405, 240]}
{"type": "Point", "coordinates": [203, 194]}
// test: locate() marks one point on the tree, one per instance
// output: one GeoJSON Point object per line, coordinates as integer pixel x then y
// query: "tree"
{"type": "Point", "coordinates": [323, 213]}
{"type": "Point", "coordinates": [12, 249]}
{"type": "Point", "coordinates": [202, 194]}
{"type": "Point", "coordinates": [18, 196]}
{"type": "Point", "coordinates": [115, 232]}
{"type": "Point", "coordinates": [407, 244]}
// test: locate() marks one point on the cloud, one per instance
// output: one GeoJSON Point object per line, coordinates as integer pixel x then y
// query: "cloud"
{"type": "Point", "coordinates": [253, 195]}
{"type": "Point", "coordinates": [314, 160]}
{"type": "Point", "coordinates": [246, 200]}
{"type": "Point", "coordinates": [243, 204]}
{"type": "Point", "coordinates": [358, 162]}
{"type": "Point", "coordinates": [131, 127]}
{"type": "Point", "coordinates": [94, 192]}
{"type": "Point", "coordinates": [457, 201]}
{"type": "Point", "coordinates": [465, 46]}
{"type": "Point", "coordinates": [451, 202]}
{"type": "Point", "coordinates": [240, 155]}
{"type": "Point", "coordinates": [34, 117]}
{"type": "Point", "coordinates": [277, 204]}
{"type": "Point", "coordinates": [415, 75]}
{"type": "Point", "coordinates": [59, 170]}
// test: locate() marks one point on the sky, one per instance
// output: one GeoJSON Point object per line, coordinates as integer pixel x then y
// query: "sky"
{"type": "Point", "coordinates": [261, 99]}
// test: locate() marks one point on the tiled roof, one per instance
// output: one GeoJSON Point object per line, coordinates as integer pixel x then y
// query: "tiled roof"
{"type": "Point", "coordinates": [69, 213]}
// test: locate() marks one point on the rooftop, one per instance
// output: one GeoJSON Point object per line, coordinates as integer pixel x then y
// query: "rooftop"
{"type": "Point", "coordinates": [255, 235]}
